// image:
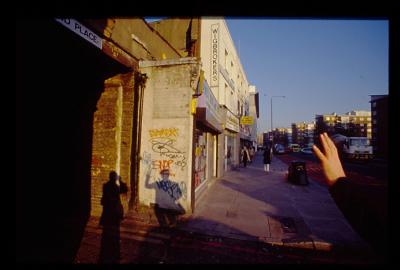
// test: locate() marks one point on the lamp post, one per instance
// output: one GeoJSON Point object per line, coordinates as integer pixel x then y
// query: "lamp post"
{"type": "Point", "coordinates": [272, 131]}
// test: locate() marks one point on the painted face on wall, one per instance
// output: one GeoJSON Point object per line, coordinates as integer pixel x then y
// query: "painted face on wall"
{"type": "Point", "coordinates": [164, 174]}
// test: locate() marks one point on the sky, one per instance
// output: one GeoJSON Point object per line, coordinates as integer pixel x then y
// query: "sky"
{"type": "Point", "coordinates": [320, 66]}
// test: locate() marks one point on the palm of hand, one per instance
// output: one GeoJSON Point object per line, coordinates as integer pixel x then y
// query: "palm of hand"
{"type": "Point", "coordinates": [331, 165]}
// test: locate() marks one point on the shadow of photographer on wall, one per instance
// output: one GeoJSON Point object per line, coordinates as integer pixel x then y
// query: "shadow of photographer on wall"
{"type": "Point", "coordinates": [112, 215]}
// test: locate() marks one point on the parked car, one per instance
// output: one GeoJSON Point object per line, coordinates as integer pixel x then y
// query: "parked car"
{"type": "Point", "coordinates": [295, 147]}
{"type": "Point", "coordinates": [307, 151]}
{"type": "Point", "coordinates": [279, 149]}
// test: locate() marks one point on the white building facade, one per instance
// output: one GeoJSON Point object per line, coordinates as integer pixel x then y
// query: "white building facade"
{"type": "Point", "coordinates": [228, 82]}
{"type": "Point", "coordinates": [223, 94]}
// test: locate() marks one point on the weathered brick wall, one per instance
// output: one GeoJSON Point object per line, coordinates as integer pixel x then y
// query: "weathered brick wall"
{"type": "Point", "coordinates": [112, 137]}
{"type": "Point", "coordinates": [135, 36]}
{"type": "Point", "coordinates": [126, 132]}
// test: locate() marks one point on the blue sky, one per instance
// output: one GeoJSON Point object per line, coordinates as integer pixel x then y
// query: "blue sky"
{"type": "Point", "coordinates": [321, 66]}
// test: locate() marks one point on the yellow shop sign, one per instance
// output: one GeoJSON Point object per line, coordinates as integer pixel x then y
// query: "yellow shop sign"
{"type": "Point", "coordinates": [246, 120]}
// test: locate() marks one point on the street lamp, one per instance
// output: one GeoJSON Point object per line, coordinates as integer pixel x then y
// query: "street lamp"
{"type": "Point", "coordinates": [272, 131]}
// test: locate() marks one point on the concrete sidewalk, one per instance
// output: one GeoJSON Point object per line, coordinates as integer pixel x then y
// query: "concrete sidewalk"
{"type": "Point", "coordinates": [247, 216]}
{"type": "Point", "coordinates": [250, 204]}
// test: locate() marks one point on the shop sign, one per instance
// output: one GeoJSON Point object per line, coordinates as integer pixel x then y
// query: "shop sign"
{"type": "Point", "coordinates": [232, 122]}
{"type": "Point", "coordinates": [214, 54]}
{"type": "Point", "coordinates": [246, 120]}
{"type": "Point", "coordinates": [194, 105]}
{"type": "Point", "coordinates": [245, 130]}
{"type": "Point", "coordinates": [207, 100]}
{"type": "Point", "coordinates": [82, 31]}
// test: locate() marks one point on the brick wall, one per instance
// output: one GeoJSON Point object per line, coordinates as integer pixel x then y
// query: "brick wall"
{"type": "Point", "coordinates": [112, 137]}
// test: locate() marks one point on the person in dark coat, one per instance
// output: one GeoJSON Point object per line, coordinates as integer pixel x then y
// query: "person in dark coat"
{"type": "Point", "coordinates": [267, 157]}
{"type": "Point", "coordinates": [245, 156]}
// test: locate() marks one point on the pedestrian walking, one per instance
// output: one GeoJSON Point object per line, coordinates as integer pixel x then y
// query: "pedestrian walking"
{"type": "Point", "coordinates": [267, 157]}
{"type": "Point", "coordinates": [245, 156]}
{"type": "Point", "coordinates": [252, 153]}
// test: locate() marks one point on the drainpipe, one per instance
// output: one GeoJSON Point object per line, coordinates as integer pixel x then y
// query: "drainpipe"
{"type": "Point", "coordinates": [140, 83]}
{"type": "Point", "coordinates": [119, 130]}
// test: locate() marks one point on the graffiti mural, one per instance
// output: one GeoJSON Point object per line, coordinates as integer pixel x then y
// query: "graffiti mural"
{"type": "Point", "coordinates": [183, 187]}
{"type": "Point", "coordinates": [163, 132]}
{"type": "Point", "coordinates": [168, 192]}
{"type": "Point", "coordinates": [163, 143]}
{"type": "Point", "coordinates": [172, 188]}
{"type": "Point", "coordinates": [164, 162]}
{"type": "Point", "coordinates": [160, 165]}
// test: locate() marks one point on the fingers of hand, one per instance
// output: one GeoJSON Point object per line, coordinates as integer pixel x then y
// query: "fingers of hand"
{"type": "Point", "coordinates": [331, 144]}
{"type": "Point", "coordinates": [318, 153]}
{"type": "Point", "coordinates": [325, 146]}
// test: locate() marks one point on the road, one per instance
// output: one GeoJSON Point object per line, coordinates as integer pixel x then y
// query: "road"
{"type": "Point", "coordinates": [370, 173]}
{"type": "Point", "coordinates": [370, 218]}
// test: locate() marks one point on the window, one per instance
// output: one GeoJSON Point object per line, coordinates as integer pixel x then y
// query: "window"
{"type": "Point", "coordinates": [226, 58]}
{"type": "Point", "coordinates": [373, 104]}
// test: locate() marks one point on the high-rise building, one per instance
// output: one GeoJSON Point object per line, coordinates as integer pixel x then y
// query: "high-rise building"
{"type": "Point", "coordinates": [303, 133]}
{"type": "Point", "coordinates": [379, 109]}
{"type": "Point", "coordinates": [351, 124]}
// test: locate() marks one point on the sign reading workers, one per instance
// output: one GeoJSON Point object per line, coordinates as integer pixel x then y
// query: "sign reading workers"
{"type": "Point", "coordinates": [82, 31]}
{"type": "Point", "coordinates": [214, 54]}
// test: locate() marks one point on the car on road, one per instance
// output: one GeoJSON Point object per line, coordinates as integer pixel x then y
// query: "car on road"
{"type": "Point", "coordinates": [295, 147]}
{"type": "Point", "coordinates": [307, 151]}
{"type": "Point", "coordinates": [279, 149]}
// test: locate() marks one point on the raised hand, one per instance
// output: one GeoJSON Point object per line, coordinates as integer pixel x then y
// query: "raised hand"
{"type": "Point", "coordinates": [330, 161]}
